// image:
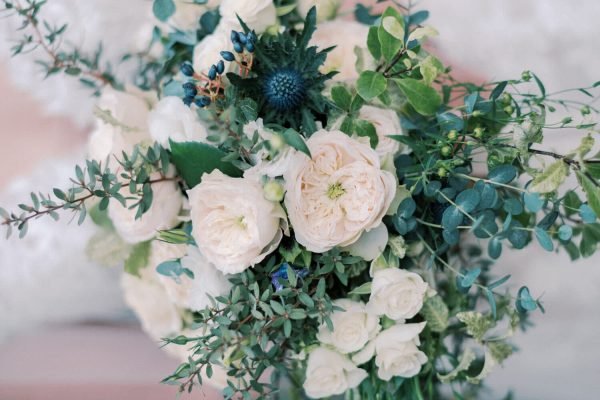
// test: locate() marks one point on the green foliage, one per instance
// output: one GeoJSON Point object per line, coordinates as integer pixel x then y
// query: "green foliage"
{"type": "Point", "coordinates": [435, 312]}
{"type": "Point", "coordinates": [163, 9]}
{"type": "Point", "coordinates": [423, 98]}
{"type": "Point", "coordinates": [138, 258]}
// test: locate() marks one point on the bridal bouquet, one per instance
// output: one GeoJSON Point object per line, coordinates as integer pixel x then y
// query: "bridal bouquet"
{"type": "Point", "coordinates": [310, 204]}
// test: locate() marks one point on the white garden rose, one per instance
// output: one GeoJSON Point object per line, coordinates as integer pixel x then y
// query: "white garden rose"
{"type": "Point", "coordinates": [208, 51]}
{"type": "Point", "coordinates": [342, 58]}
{"type": "Point", "coordinates": [338, 194]}
{"type": "Point", "coordinates": [329, 373]}
{"type": "Point", "coordinates": [235, 226]}
{"type": "Point", "coordinates": [396, 351]}
{"type": "Point", "coordinates": [194, 293]}
{"type": "Point", "coordinates": [386, 123]}
{"type": "Point", "coordinates": [397, 294]}
{"type": "Point", "coordinates": [163, 214]}
{"type": "Point", "coordinates": [353, 328]}
{"type": "Point", "coordinates": [172, 120]}
{"type": "Point", "coordinates": [121, 124]}
{"type": "Point", "coordinates": [257, 14]}
{"type": "Point", "coordinates": [158, 315]}
{"type": "Point", "coordinates": [326, 9]}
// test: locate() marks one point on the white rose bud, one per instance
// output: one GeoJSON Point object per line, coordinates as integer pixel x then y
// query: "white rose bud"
{"type": "Point", "coordinates": [396, 293]}
{"type": "Point", "coordinates": [172, 120]}
{"type": "Point", "coordinates": [329, 373]}
{"type": "Point", "coordinates": [163, 214]}
{"type": "Point", "coordinates": [342, 58]}
{"type": "Point", "coordinates": [326, 9]}
{"type": "Point", "coordinates": [397, 353]}
{"type": "Point", "coordinates": [257, 14]}
{"type": "Point", "coordinates": [235, 226]}
{"type": "Point", "coordinates": [339, 194]}
{"type": "Point", "coordinates": [386, 123]}
{"type": "Point", "coordinates": [353, 328]}
{"type": "Point", "coordinates": [274, 191]}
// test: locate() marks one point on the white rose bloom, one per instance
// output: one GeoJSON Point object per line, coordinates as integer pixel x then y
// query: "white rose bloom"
{"type": "Point", "coordinates": [338, 194]}
{"type": "Point", "coordinates": [397, 353]}
{"type": "Point", "coordinates": [163, 213]}
{"type": "Point", "coordinates": [329, 373]}
{"type": "Point", "coordinates": [158, 315]}
{"type": "Point", "coordinates": [397, 294]}
{"type": "Point", "coordinates": [235, 227]}
{"type": "Point", "coordinates": [326, 9]}
{"type": "Point", "coordinates": [129, 126]}
{"type": "Point", "coordinates": [257, 14]}
{"type": "Point", "coordinates": [353, 328]}
{"type": "Point", "coordinates": [171, 119]}
{"type": "Point", "coordinates": [208, 51]}
{"type": "Point", "coordinates": [342, 58]}
{"type": "Point", "coordinates": [386, 123]}
{"type": "Point", "coordinates": [194, 293]}
{"type": "Point", "coordinates": [161, 252]}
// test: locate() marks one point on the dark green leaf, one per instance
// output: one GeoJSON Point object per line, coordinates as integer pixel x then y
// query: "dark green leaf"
{"type": "Point", "coordinates": [424, 99]}
{"type": "Point", "coordinates": [193, 159]}
{"type": "Point", "coordinates": [296, 141]}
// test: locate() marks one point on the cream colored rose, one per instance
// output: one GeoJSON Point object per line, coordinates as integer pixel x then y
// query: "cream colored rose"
{"type": "Point", "coordinates": [163, 214]}
{"type": "Point", "coordinates": [342, 58]}
{"type": "Point", "coordinates": [208, 51]}
{"type": "Point", "coordinates": [194, 293]}
{"type": "Point", "coordinates": [326, 9]}
{"type": "Point", "coordinates": [172, 120]}
{"type": "Point", "coordinates": [386, 123]}
{"type": "Point", "coordinates": [329, 373]}
{"type": "Point", "coordinates": [353, 328]}
{"type": "Point", "coordinates": [158, 315]}
{"type": "Point", "coordinates": [397, 353]}
{"type": "Point", "coordinates": [338, 194]}
{"type": "Point", "coordinates": [257, 14]}
{"type": "Point", "coordinates": [121, 124]}
{"type": "Point", "coordinates": [397, 294]}
{"type": "Point", "coordinates": [234, 226]}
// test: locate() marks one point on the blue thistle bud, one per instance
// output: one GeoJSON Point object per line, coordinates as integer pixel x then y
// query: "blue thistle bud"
{"type": "Point", "coordinates": [250, 47]}
{"type": "Point", "coordinates": [203, 101]}
{"type": "Point", "coordinates": [237, 46]}
{"type": "Point", "coordinates": [251, 37]}
{"type": "Point", "coordinates": [190, 90]}
{"type": "Point", "coordinates": [212, 72]}
{"type": "Point", "coordinates": [227, 56]}
{"type": "Point", "coordinates": [188, 100]}
{"type": "Point", "coordinates": [187, 69]}
{"type": "Point", "coordinates": [242, 38]}
{"type": "Point", "coordinates": [234, 37]}
{"type": "Point", "coordinates": [220, 67]}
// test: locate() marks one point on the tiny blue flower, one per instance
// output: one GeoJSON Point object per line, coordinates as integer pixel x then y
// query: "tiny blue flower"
{"type": "Point", "coordinates": [238, 47]}
{"type": "Point", "coordinates": [250, 47]}
{"type": "Point", "coordinates": [203, 101]}
{"type": "Point", "coordinates": [212, 72]}
{"type": "Point", "coordinates": [242, 38]}
{"type": "Point", "coordinates": [187, 69]}
{"type": "Point", "coordinates": [234, 37]}
{"type": "Point", "coordinates": [227, 56]}
{"type": "Point", "coordinates": [190, 90]}
{"type": "Point", "coordinates": [251, 37]}
{"type": "Point", "coordinates": [220, 67]}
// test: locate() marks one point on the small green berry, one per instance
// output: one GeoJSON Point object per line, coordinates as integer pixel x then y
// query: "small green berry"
{"type": "Point", "coordinates": [478, 133]}
{"type": "Point", "coordinates": [442, 172]}
{"type": "Point", "coordinates": [585, 110]}
{"type": "Point", "coordinates": [526, 76]}
{"type": "Point", "coordinates": [477, 113]}
{"type": "Point", "coordinates": [452, 135]}
{"type": "Point", "coordinates": [446, 150]}
{"type": "Point", "coordinates": [509, 110]}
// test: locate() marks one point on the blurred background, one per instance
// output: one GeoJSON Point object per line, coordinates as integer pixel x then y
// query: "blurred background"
{"type": "Point", "coordinates": [64, 329]}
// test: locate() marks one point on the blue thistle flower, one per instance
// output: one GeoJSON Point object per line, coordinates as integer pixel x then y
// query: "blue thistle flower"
{"type": "Point", "coordinates": [282, 274]}
{"type": "Point", "coordinates": [212, 72]}
{"type": "Point", "coordinates": [189, 89]}
{"type": "Point", "coordinates": [284, 89]}
{"type": "Point", "coordinates": [228, 56]}
{"type": "Point", "coordinates": [187, 69]}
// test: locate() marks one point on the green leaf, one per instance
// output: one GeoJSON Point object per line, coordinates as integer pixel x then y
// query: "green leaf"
{"type": "Point", "coordinates": [424, 99]}
{"type": "Point", "coordinates": [565, 232]}
{"type": "Point", "coordinates": [430, 68]}
{"type": "Point", "coordinates": [524, 301]}
{"type": "Point", "coordinates": [551, 179]}
{"type": "Point", "coordinates": [163, 9]}
{"type": "Point", "coordinates": [371, 84]}
{"type": "Point", "coordinates": [435, 312]}
{"type": "Point", "coordinates": [477, 323]}
{"type": "Point", "coordinates": [544, 239]}
{"type": "Point", "coordinates": [341, 97]}
{"type": "Point", "coordinates": [194, 159]}
{"type": "Point", "coordinates": [592, 191]}
{"type": "Point", "coordinates": [138, 258]}
{"type": "Point", "coordinates": [296, 141]}
{"type": "Point", "coordinates": [363, 289]}
{"type": "Point", "coordinates": [465, 361]}
{"type": "Point", "coordinates": [503, 174]}
{"type": "Point", "coordinates": [391, 43]}
{"type": "Point", "coordinates": [367, 129]}
{"type": "Point", "coordinates": [373, 43]}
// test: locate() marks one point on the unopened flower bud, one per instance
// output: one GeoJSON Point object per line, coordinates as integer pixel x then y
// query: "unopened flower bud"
{"type": "Point", "coordinates": [452, 135]}
{"type": "Point", "coordinates": [526, 76]}
{"type": "Point", "coordinates": [274, 191]}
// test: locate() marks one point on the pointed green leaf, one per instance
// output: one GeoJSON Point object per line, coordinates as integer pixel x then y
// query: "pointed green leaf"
{"type": "Point", "coordinates": [424, 99]}
{"type": "Point", "coordinates": [551, 179]}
